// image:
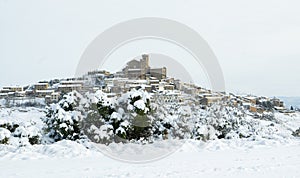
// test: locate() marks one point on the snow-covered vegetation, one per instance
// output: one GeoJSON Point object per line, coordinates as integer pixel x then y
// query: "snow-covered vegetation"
{"type": "Point", "coordinates": [137, 127]}
{"type": "Point", "coordinates": [136, 117]}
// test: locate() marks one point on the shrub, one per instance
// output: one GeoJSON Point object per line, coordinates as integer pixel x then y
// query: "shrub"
{"type": "Point", "coordinates": [62, 120]}
{"type": "Point", "coordinates": [28, 132]}
{"type": "Point", "coordinates": [118, 120]}
{"type": "Point", "coordinates": [4, 135]}
{"type": "Point", "coordinates": [96, 122]}
{"type": "Point", "coordinates": [296, 133]}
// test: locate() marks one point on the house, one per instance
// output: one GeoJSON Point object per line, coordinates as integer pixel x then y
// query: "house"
{"type": "Point", "coordinates": [169, 87]}
{"type": "Point", "coordinates": [178, 84]}
{"type": "Point", "coordinates": [68, 88]}
{"type": "Point", "coordinates": [250, 99]}
{"type": "Point", "coordinates": [41, 86]}
{"type": "Point", "coordinates": [209, 100]}
{"type": "Point", "coordinates": [53, 97]}
{"type": "Point", "coordinates": [159, 73]}
{"type": "Point", "coordinates": [99, 73]}
{"type": "Point", "coordinates": [161, 86]}
{"type": "Point", "coordinates": [6, 90]}
{"type": "Point", "coordinates": [279, 108]}
{"type": "Point", "coordinates": [3, 95]}
{"type": "Point", "coordinates": [43, 93]}
{"type": "Point", "coordinates": [188, 90]}
{"type": "Point", "coordinates": [171, 96]}
{"type": "Point", "coordinates": [72, 82]}
{"type": "Point", "coordinates": [276, 102]}
{"type": "Point", "coordinates": [253, 108]}
{"type": "Point", "coordinates": [12, 89]}
{"type": "Point", "coordinates": [20, 94]}
{"type": "Point", "coordinates": [29, 92]}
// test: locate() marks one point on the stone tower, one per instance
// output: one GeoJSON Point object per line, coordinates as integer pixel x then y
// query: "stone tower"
{"type": "Point", "coordinates": [144, 62]}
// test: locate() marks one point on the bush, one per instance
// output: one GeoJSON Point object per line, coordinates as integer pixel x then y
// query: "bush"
{"type": "Point", "coordinates": [28, 132]}
{"type": "Point", "coordinates": [138, 110]}
{"type": "Point", "coordinates": [95, 124]}
{"type": "Point", "coordinates": [118, 120]}
{"type": "Point", "coordinates": [296, 133]}
{"type": "Point", "coordinates": [4, 135]}
{"type": "Point", "coordinates": [171, 120]}
{"type": "Point", "coordinates": [217, 122]}
{"type": "Point", "coordinates": [11, 126]}
{"type": "Point", "coordinates": [62, 120]}
{"type": "Point", "coordinates": [23, 131]}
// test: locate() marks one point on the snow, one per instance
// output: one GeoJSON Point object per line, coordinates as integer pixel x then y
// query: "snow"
{"type": "Point", "coordinates": [140, 104]}
{"type": "Point", "coordinates": [130, 107]}
{"type": "Point", "coordinates": [218, 158]}
{"type": "Point", "coordinates": [116, 116]}
{"type": "Point", "coordinates": [21, 115]}
{"type": "Point", "coordinates": [2, 102]}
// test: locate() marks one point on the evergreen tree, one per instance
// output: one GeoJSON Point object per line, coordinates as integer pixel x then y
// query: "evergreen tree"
{"type": "Point", "coordinates": [62, 120]}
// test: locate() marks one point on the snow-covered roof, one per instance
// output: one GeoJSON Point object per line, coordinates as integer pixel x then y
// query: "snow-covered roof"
{"type": "Point", "coordinates": [171, 92]}
{"type": "Point", "coordinates": [71, 85]}
{"type": "Point", "coordinates": [41, 84]}
{"type": "Point", "coordinates": [72, 82]}
{"type": "Point", "coordinates": [134, 69]}
{"type": "Point", "coordinates": [5, 90]}
{"type": "Point", "coordinates": [279, 108]}
{"type": "Point", "coordinates": [44, 91]}
{"type": "Point", "coordinates": [137, 81]}
{"type": "Point", "coordinates": [250, 97]}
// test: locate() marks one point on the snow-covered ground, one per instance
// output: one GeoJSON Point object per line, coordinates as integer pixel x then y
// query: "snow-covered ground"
{"type": "Point", "coordinates": [219, 158]}
{"type": "Point", "coordinates": [276, 157]}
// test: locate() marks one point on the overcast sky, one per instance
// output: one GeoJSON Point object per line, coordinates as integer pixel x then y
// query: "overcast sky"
{"type": "Point", "coordinates": [256, 42]}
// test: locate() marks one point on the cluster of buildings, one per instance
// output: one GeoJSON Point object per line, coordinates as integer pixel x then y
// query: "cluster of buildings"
{"type": "Point", "coordinates": [51, 91]}
{"type": "Point", "coordinates": [259, 104]}
{"type": "Point", "coordinates": [138, 74]}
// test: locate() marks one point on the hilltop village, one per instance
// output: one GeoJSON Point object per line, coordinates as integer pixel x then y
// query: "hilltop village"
{"type": "Point", "coordinates": [137, 74]}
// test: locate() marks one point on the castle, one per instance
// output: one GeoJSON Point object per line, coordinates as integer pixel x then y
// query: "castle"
{"type": "Point", "coordinates": [141, 70]}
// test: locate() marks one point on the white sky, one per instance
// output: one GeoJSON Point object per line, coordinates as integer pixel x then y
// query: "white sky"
{"type": "Point", "coordinates": [257, 42]}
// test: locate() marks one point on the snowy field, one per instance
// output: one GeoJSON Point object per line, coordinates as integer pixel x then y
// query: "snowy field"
{"type": "Point", "coordinates": [221, 158]}
{"type": "Point", "coordinates": [276, 157]}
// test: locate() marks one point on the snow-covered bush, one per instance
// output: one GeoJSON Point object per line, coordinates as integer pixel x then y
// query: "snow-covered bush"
{"type": "Point", "coordinates": [6, 128]}
{"type": "Point", "coordinates": [204, 132]}
{"type": "Point", "coordinates": [131, 117]}
{"type": "Point", "coordinates": [219, 121]}
{"type": "Point", "coordinates": [11, 126]}
{"type": "Point", "coordinates": [4, 135]}
{"type": "Point", "coordinates": [29, 132]}
{"type": "Point", "coordinates": [96, 123]}
{"type": "Point", "coordinates": [296, 133]}
{"type": "Point", "coordinates": [136, 106]}
{"type": "Point", "coordinates": [62, 120]}
{"type": "Point", "coordinates": [118, 119]}
{"type": "Point", "coordinates": [223, 121]}
{"type": "Point", "coordinates": [171, 120]}
{"type": "Point", "coordinates": [22, 133]}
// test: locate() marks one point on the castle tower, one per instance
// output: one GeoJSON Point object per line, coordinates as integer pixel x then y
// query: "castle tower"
{"type": "Point", "coordinates": [144, 62]}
